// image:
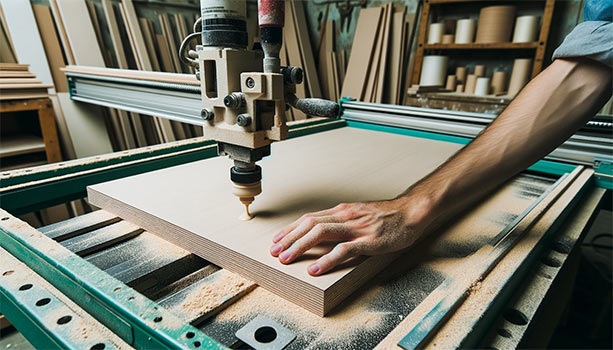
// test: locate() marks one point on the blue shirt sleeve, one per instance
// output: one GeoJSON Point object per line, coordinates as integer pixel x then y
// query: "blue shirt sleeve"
{"type": "Point", "coordinates": [592, 38]}
{"type": "Point", "coordinates": [598, 10]}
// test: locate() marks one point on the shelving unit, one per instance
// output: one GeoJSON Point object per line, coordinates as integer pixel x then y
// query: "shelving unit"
{"type": "Point", "coordinates": [538, 46]}
{"type": "Point", "coordinates": [27, 144]}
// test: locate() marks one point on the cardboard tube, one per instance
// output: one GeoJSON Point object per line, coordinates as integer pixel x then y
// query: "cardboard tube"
{"type": "Point", "coordinates": [465, 31]}
{"type": "Point", "coordinates": [448, 39]}
{"type": "Point", "coordinates": [519, 75]}
{"type": "Point", "coordinates": [471, 80]}
{"type": "Point", "coordinates": [435, 33]}
{"type": "Point", "coordinates": [499, 80]}
{"type": "Point", "coordinates": [495, 24]}
{"type": "Point", "coordinates": [451, 81]}
{"type": "Point", "coordinates": [480, 70]}
{"type": "Point", "coordinates": [459, 88]}
{"type": "Point", "coordinates": [482, 87]}
{"type": "Point", "coordinates": [433, 70]}
{"type": "Point", "coordinates": [460, 73]}
{"type": "Point", "coordinates": [526, 28]}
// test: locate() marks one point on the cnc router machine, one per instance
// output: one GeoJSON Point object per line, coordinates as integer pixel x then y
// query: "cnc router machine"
{"type": "Point", "coordinates": [97, 281]}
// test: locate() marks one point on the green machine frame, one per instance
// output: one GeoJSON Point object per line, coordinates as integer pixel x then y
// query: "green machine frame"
{"type": "Point", "coordinates": [134, 318]}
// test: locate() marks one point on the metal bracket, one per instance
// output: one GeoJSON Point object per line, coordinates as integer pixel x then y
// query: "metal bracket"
{"type": "Point", "coordinates": [262, 333]}
{"type": "Point", "coordinates": [603, 166]}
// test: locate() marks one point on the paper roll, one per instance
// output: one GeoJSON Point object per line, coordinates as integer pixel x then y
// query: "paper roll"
{"type": "Point", "coordinates": [469, 87]}
{"type": "Point", "coordinates": [519, 75]}
{"type": "Point", "coordinates": [451, 81]}
{"type": "Point", "coordinates": [482, 87]}
{"type": "Point", "coordinates": [448, 39]}
{"type": "Point", "coordinates": [433, 70]}
{"type": "Point", "coordinates": [435, 33]}
{"type": "Point", "coordinates": [465, 31]}
{"type": "Point", "coordinates": [495, 24]}
{"type": "Point", "coordinates": [460, 73]}
{"type": "Point", "coordinates": [480, 70]}
{"type": "Point", "coordinates": [499, 80]}
{"type": "Point", "coordinates": [459, 88]}
{"type": "Point", "coordinates": [526, 28]}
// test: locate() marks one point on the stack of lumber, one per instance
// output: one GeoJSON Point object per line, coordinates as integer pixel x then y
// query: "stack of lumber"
{"type": "Point", "coordinates": [377, 68]}
{"type": "Point", "coordinates": [76, 32]}
{"type": "Point", "coordinates": [297, 51]}
{"type": "Point", "coordinates": [17, 82]}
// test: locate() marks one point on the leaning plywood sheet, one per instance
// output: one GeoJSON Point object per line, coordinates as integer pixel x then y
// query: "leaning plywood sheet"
{"type": "Point", "coordinates": [362, 52]}
{"type": "Point", "coordinates": [81, 118]}
{"type": "Point", "coordinates": [26, 38]}
{"type": "Point", "coordinates": [7, 50]}
{"type": "Point", "coordinates": [327, 168]}
{"type": "Point", "coordinates": [80, 32]}
{"type": "Point", "coordinates": [51, 43]}
{"type": "Point", "coordinates": [136, 36]}
{"type": "Point", "coordinates": [306, 51]}
{"type": "Point", "coordinates": [131, 122]}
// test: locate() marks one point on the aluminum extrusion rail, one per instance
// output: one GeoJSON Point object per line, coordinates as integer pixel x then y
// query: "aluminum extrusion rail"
{"type": "Point", "coordinates": [180, 102]}
{"type": "Point", "coordinates": [591, 142]}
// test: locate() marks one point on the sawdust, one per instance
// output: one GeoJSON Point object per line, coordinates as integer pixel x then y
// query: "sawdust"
{"type": "Point", "coordinates": [337, 327]}
{"type": "Point", "coordinates": [225, 285]}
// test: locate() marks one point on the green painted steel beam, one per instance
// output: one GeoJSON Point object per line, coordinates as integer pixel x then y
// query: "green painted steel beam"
{"type": "Point", "coordinates": [43, 315]}
{"type": "Point", "coordinates": [134, 318]}
{"type": "Point", "coordinates": [410, 132]}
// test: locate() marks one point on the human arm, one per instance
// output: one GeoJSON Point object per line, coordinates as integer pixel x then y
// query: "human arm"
{"type": "Point", "coordinates": [547, 111]}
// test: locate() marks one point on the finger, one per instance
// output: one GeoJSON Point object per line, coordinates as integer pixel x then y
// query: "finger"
{"type": "Point", "coordinates": [276, 238]}
{"type": "Point", "coordinates": [319, 233]}
{"type": "Point", "coordinates": [339, 254]}
{"type": "Point", "coordinates": [327, 212]}
{"type": "Point", "coordinates": [305, 226]}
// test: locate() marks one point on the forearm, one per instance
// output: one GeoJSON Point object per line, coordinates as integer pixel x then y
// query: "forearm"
{"type": "Point", "coordinates": [546, 113]}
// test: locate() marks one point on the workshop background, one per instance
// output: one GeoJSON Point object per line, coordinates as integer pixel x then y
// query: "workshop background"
{"type": "Point", "coordinates": [40, 124]}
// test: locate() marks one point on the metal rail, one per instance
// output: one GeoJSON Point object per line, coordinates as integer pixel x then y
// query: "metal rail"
{"type": "Point", "coordinates": [182, 102]}
{"type": "Point", "coordinates": [592, 142]}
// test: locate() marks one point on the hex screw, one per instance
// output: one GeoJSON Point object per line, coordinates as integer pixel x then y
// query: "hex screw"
{"type": "Point", "coordinates": [207, 114]}
{"type": "Point", "coordinates": [234, 100]}
{"type": "Point", "coordinates": [243, 120]}
{"type": "Point", "coordinates": [250, 83]}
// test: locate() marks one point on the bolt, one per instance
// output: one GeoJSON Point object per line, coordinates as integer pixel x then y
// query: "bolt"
{"type": "Point", "coordinates": [207, 114]}
{"type": "Point", "coordinates": [243, 120]}
{"type": "Point", "coordinates": [250, 83]}
{"type": "Point", "coordinates": [234, 100]}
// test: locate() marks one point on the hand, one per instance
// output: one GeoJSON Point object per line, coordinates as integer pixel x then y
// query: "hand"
{"type": "Point", "coordinates": [362, 228]}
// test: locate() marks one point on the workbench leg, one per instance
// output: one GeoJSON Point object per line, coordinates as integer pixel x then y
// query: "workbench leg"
{"type": "Point", "coordinates": [46, 119]}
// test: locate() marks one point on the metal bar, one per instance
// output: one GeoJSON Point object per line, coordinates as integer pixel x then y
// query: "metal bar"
{"type": "Point", "coordinates": [541, 284]}
{"type": "Point", "coordinates": [43, 315]}
{"type": "Point", "coordinates": [497, 248]}
{"type": "Point", "coordinates": [582, 148]}
{"type": "Point", "coordinates": [137, 320]}
{"type": "Point", "coordinates": [160, 101]}
{"type": "Point", "coordinates": [78, 225]}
